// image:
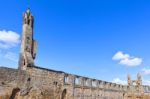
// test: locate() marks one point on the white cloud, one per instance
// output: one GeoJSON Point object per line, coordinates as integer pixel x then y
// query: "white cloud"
{"type": "Point", "coordinates": [131, 61]}
{"type": "Point", "coordinates": [119, 81]}
{"type": "Point", "coordinates": [126, 59]}
{"type": "Point", "coordinates": [11, 56]}
{"type": "Point", "coordinates": [8, 39]}
{"type": "Point", "coordinates": [146, 71]}
{"type": "Point", "coordinates": [120, 55]}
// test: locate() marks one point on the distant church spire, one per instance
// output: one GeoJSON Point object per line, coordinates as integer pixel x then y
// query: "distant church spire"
{"type": "Point", "coordinates": [139, 79]}
{"type": "Point", "coordinates": [129, 79]}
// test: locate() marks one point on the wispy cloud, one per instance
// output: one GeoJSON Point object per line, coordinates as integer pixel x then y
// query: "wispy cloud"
{"type": "Point", "coordinates": [8, 39]}
{"type": "Point", "coordinates": [126, 59]}
{"type": "Point", "coordinates": [146, 71]}
{"type": "Point", "coordinates": [11, 56]}
{"type": "Point", "coordinates": [119, 81]}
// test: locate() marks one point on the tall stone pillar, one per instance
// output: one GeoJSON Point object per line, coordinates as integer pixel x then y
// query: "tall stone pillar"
{"type": "Point", "coordinates": [28, 44]}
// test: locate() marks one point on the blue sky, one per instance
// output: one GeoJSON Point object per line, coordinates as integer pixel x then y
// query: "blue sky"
{"type": "Point", "coordinates": [82, 36]}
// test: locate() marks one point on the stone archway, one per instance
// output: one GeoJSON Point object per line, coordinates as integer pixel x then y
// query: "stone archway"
{"type": "Point", "coordinates": [15, 93]}
{"type": "Point", "coordinates": [64, 94]}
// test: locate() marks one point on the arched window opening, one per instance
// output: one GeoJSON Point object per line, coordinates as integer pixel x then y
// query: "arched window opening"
{"type": "Point", "coordinates": [77, 81]}
{"type": "Point", "coordinates": [94, 83]}
{"type": "Point", "coordinates": [66, 79]}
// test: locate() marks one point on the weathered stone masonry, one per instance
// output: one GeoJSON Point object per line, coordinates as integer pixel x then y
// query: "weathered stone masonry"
{"type": "Point", "coordinates": [40, 83]}
{"type": "Point", "coordinates": [51, 84]}
{"type": "Point", "coordinates": [32, 82]}
{"type": "Point", "coordinates": [28, 44]}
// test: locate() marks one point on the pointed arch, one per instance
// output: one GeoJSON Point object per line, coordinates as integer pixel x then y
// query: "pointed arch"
{"type": "Point", "coordinates": [64, 94]}
{"type": "Point", "coordinates": [15, 93]}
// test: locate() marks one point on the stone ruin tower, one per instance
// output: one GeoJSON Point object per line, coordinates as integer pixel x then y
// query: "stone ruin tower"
{"type": "Point", "coordinates": [28, 44]}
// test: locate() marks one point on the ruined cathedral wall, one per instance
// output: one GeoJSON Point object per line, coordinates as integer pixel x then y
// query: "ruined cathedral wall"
{"type": "Point", "coordinates": [49, 83]}
{"type": "Point", "coordinates": [40, 83]}
{"type": "Point", "coordinates": [146, 89]}
{"type": "Point", "coordinates": [79, 87]}
{"type": "Point", "coordinates": [33, 83]}
{"type": "Point", "coordinates": [11, 79]}
{"type": "Point", "coordinates": [45, 76]}
{"type": "Point", "coordinates": [76, 87]}
{"type": "Point", "coordinates": [12, 76]}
